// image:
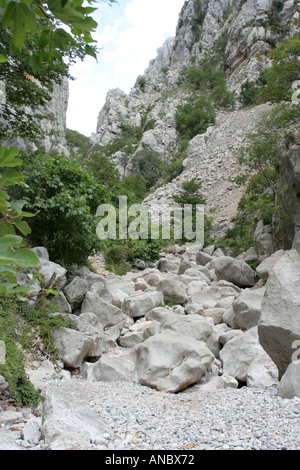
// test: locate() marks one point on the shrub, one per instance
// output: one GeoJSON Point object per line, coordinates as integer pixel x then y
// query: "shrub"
{"type": "Point", "coordinates": [67, 198]}
{"type": "Point", "coordinates": [149, 166]}
{"type": "Point", "coordinates": [249, 93]}
{"type": "Point", "coordinates": [192, 120]}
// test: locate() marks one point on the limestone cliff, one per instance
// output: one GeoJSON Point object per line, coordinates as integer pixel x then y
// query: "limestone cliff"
{"type": "Point", "coordinates": [236, 34]}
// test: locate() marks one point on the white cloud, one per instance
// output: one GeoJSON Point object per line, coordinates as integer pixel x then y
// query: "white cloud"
{"type": "Point", "coordinates": [129, 34]}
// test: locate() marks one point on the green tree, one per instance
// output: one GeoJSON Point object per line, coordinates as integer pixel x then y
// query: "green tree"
{"type": "Point", "coordinates": [67, 197]}
{"type": "Point", "coordinates": [38, 42]}
{"type": "Point", "coordinates": [194, 119]}
{"type": "Point", "coordinates": [190, 193]}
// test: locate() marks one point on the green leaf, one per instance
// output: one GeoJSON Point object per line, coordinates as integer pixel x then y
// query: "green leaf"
{"type": "Point", "coordinates": [6, 228]}
{"type": "Point", "coordinates": [35, 62]}
{"type": "Point", "coordinates": [90, 51]}
{"type": "Point", "coordinates": [20, 257]}
{"type": "Point", "coordinates": [8, 157]}
{"type": "Point", "coordinates": [22, 226]}
{"type": "Point", "coordinates": [20, 19]}
{"type": "Point", "coordinates": [9, 273]}
{"type": "Point", "coordinates": [2, 59]}
{"type": "Point", "coordinates": [11, 177]}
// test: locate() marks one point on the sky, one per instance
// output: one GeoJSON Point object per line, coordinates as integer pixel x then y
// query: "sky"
{"type": "Point", "coordinates": [129, 33]}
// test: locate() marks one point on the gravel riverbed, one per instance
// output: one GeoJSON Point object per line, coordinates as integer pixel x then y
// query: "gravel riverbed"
{"type": "Point", "coordinates": [141, 418]}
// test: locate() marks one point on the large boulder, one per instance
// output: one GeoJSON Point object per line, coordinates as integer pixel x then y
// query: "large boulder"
{"type": "Point", "coordinates": [85, 340]}
{"type": "Point", "coordinates": [171, 362]}
{"type": "Point", "coordinates": [52, 273]}
{"type": "Point", "coordinates": [247, 308]}
{"type": "Point", "coordinates": [73, 346]}
{"type": "Point", "coordinates": [238, 354]}
{"type": "Point", "coordinates": [173, 290]}
{"type": "Point", "coordinates": [137, 305]}
{"type": "Point", "coordinates": [267, 264]}
{"type": "Point", "coordinates": [109, 368]}
{"type": "Point", "coordinates": [279, 325]}
{"type": "Point", "coordinates": [139, 332]}
{"type": "Point", "coordinates": [107, 313]}
{"type": "Point", "coordinates": [233, 270]}
{"type": "Point", "coordinates": [75, 291]}
{"type": "Point", "coordinates": [194, 326]}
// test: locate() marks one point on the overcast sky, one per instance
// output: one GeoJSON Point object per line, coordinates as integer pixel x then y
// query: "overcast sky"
{"type": "Point", "coordinates": [129, 33]}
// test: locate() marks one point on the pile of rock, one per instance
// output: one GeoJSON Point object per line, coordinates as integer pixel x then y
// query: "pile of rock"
{"type": "Point", "coordinates": [194, 316]}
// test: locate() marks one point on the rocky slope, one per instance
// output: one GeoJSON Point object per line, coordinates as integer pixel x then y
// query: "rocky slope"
{"type": "Point", "coordinates": [237, 34]}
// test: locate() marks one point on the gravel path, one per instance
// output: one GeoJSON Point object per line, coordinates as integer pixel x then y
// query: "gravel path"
{"type": "Point", "coordinates": [142, 418]}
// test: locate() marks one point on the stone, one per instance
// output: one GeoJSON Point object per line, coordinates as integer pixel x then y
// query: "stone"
{"type": "Point", "coordinates": [107, 313]}
{"type": "Point", "coordinates": [73, 346]}
{"type": "Point", "coordinates": [41, 252]}
{"type": "Point", "coordinates": [215, 313]}
{"type": "Point", "coordinates": [236, 271]}
{"type": "Point", "coordinates": [267, 264]}
{"type": "Point", "coordinates": [279, 324]}
{"type": "Point", "coordinates": [10, 417]}
{"type": "Point", "coordinates": [3, 384]}
{"type": "Point", "coordinates": [64, 414]}
{"type": "Point", "coordinates": [75, 291]}
{"type": "Point", "coordinates": [296, 242]}
{"type": "Point", "coordinates": [191, 309]}
{"type": "Point", "coordinates": [61, 301]}
{"type": "Point", "coordinates": [31, 430]}
{"type": "Point", "coordinates": [110, 368]}
{"type": "Point", "coordinates": [137, 305]}
{"type": "Point", "coordinates": [264, 245]}
{"type": "Point", "coordinates": [202, 295]}
{"type": "Point", "coordinates": [169, 265]}
{"type": "Point", "coordinates": [247, 308]}
{"type": "Point", "coordinates": [139, 332]}
{"type": "Point", "coordinates": [203, 258]}
{"type": "Point", "coordinates": [49, 269]}
{"type": "Point", "coordinates": [40, 375]}
{"type": "Point", "coordinates": [171, 362]}
{"type": "Point", "coordinates": [194, 326]}
{"type": "Point", "coordinates": [238, 353]}
{"type": "Point", "coordinates": [289, 386]}
{"type": "Point", "coordinates": [173, 290]}
{"type": "Point", "coordinates": [229, 335]}
{"type": "Point", "coordinates": [159, 314]}
{"type": "Point", "coordinates": [262, 372]}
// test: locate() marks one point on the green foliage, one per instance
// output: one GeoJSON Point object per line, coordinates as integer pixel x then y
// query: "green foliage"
{"type": "Point", "coordinates": [274, 19]}
{"type": "Point", "coordinates": [19, 327]}
{"type": "Point", "coordinates": [149, 166]}
{"type": "Point", "coordinates": [249, 93]}
{"type": "Point", "coordinates": [67, 198]}
{"type": "Point", "coordinates": [141, 83]}
{"type": "Point", "coordinates": [197, 19]}
{"type": "Point", "coordinates": [211, 80]}
{"type": "Point", "coordinates": [190, 193]}
{"type": "Point", "coordinates": [284, 71]}
{"type": "Point", "coordinates": [263, 199]}
{"type": "Point", "coordinates": [103, 169]}
{"type": "Point", "coordinates": [13, 252]}
{"type": "Point", "coordinates": [39, 40]}
{"type": "Point", "coordinates": [24, 18]}
{"type": "Point", "coordinates": [194, 119]}
{"type": "Point", "coordinates": [78, 144]}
